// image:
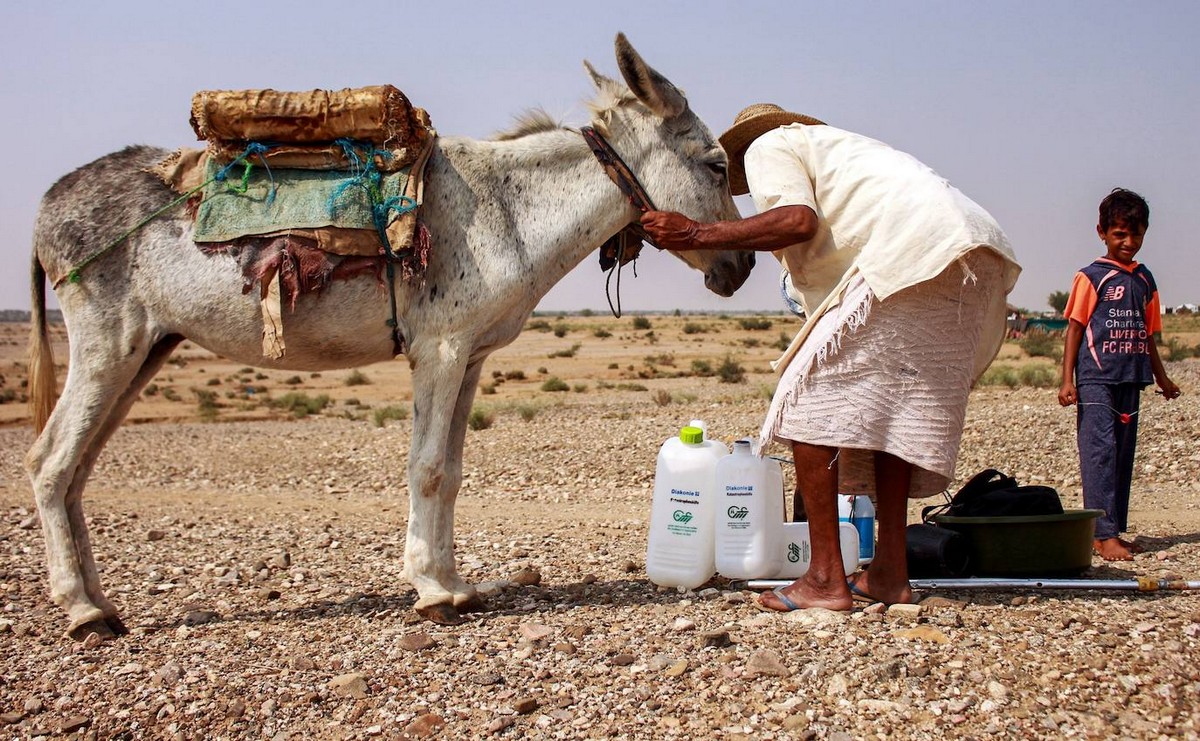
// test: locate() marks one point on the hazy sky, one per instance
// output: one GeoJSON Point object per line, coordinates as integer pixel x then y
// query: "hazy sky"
{"type": "Point", "coordinates": [1035, 110]}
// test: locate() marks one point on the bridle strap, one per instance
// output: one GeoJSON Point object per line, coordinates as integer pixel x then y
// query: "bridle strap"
{"type": "Point", "coordinates": [615, 251]}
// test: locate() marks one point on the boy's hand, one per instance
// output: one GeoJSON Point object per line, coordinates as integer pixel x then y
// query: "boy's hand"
{"type": "Point", "coordinates": [1169, 389]}
{"type": "Point", "coordinates": [1067, 394]}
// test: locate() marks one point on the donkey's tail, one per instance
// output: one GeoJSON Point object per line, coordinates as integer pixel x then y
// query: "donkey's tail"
{"type": "Point", "coordinates": [43, 386]}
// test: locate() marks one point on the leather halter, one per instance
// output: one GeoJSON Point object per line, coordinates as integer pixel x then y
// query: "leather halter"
{"type": "Point", "coordinates": [625, 245]}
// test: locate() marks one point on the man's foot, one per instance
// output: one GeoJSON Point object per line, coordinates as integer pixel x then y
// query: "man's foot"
{"type": "Point", "coordinates": [800, 595]}
{"type": "Point", "coordinates": [1112, 549]}
{"type": "Point", "coordinates": [1132, 545]}
{"type": "Point", "coordinates": [860, 587]}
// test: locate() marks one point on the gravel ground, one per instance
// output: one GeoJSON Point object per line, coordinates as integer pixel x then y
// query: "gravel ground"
{"type": "Point", "coordinates": [259, 567]}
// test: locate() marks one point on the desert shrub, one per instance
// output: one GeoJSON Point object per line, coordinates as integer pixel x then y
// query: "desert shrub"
{"type": "Point", "coordinates": [651, 337]}
{"type": "Point", "coordinates": [601, 332]}
{"type": "Point", "coordinates": [1000, 375]}
{"type": "Point", "coordinates": [554, 383]}
{"type": "Point", "coordinates": [245, 370]}
{"type": "Point", "coordinates": [730, 371]}
{"type": "Point", "coordinates": [568, 353]}
{"type": "Point", "coordinates": [514, 375]}
{"type": "Point", "coordinates": [755, 323]}
{"type": "Point", "coordinates": [666, 359]}
{"type": "Point", "coordinates": [206, 404]}
{"type": "Point", "coordinates": [527, 411]}
{"type": "Point", "coordinates": [213, 382]}
{"type": "Point", "coordinates": [641, 322]}
{"type": "Point", "coordinates": [1038, 376]}
{"type": "Point", "coordinates": [487, 389]}
{"type": "Point", "coordinates": [661, 397]}
{"type": "Point", "coordinates": [765, 391]}
{"type": "Point", "coordinates": [750, 342]}
{"type": "Point", "coordinates": [580, 388]}
{"type": "Point", "coordinates": [260, 376]}
{"type": "Point", "coordinates": [613, 366]}
{"type": "Point", "coordinates": [151, 389]}
{"type": "Point", "coordinates": [1040, 344]}
{"type": "Point", "coordinates": [561, 329]}
{"type": "Point", "coordinates": [381, 415]}
{"type": "Point", "coordinates": [352, 402]}
{"type": "Point", "coordinates": [1176, 349]}
{"type": "Point", "coordinates": [170, 394]}
{"type": "Point", "coordinates": [7, 396]}
{"type": "Point", "coordinates": [299, 404]}
{"type": "Point", "coordinates": [684, 397]}
{"type": "Point", "coordinates": [694, 328]}
{"type": "Point", "coordinates": [702, 368]}
{"type": "Point", "coordinates": [784, 341]}
{"type": "Point", "coordinates": [480, 418]}
{"type": "Point", "coordinates": [540, 325]}
{"type": "Point", "coordinates": [357, 378]}
{"type": "Point", "coordinates": [542, 370]}
{"type": "Point", "coordinates": [292, 381]}
{"type": "Point", "coordinates": [630, 387]}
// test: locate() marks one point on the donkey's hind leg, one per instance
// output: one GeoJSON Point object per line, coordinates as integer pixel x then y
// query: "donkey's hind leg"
{"type": "Point", "coordinates": [159, 354]}
{"type": "Point", "coordinates": [99, 378]}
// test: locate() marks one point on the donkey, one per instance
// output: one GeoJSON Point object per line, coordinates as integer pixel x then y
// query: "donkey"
{"type": "Point", "coordinates": [509, 217]}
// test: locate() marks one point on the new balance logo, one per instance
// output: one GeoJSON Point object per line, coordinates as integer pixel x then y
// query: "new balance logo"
{"type": "Point", "coordinates": [1114, 293]}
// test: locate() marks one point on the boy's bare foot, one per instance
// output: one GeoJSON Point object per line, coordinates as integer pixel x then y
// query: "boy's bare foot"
{"type": "Point", "coordinates": [1132, 546]}
{"type": "Point", "coordinates": [1112, 549]}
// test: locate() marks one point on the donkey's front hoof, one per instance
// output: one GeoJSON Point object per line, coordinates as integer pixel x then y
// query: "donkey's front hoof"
{"type": "Point", "coordinates": [441, 614]}
{"type": "Point", "coordinates": [98, 627]}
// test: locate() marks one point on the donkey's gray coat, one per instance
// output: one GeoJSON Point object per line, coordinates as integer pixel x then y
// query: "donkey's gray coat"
{"type": "Point", "coordinates": [508, 218]}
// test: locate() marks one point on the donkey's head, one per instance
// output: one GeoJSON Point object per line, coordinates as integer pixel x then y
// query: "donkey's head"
{"type": "Point", "coordinates": [673, 154]}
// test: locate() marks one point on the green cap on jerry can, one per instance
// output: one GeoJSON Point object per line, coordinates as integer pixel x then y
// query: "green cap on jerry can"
{"type": "Point", "coordinates": [691, 435]}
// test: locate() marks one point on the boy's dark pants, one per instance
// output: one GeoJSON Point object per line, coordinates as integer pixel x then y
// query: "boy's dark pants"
{"type": "Point", "coordinates": [1106, 447]}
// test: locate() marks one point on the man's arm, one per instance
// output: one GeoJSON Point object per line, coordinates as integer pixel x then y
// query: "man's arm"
{"type": "Point", "coordinates": [769, 231]}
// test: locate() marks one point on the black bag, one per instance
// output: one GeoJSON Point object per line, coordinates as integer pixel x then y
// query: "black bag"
{"type": "Point", "coordinates": [936, 552]}
{"type": "Point", "coordinates": [990, 493]}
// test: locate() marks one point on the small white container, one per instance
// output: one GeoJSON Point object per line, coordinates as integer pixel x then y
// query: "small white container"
{"type": "Point", "coordinates": [749, 514]}
{"type": "Point", "coordinates": [679, 551]}
{"type": "Point", "coordinates": [796, 549]}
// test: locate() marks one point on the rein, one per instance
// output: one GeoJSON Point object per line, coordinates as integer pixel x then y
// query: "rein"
{"type": "Point", "coordinates": [625, 245]}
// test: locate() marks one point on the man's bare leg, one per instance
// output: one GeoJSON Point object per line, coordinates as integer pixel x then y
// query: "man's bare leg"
{"type": "Point", "coordinates": [887, 577]}
{"type": "Point", "coordinates": [824, 584]}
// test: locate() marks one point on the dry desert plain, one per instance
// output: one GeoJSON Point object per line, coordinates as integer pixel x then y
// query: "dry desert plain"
{"type": "Point", "coordinates": [256, 555]}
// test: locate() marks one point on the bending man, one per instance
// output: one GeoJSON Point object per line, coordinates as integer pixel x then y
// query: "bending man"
{"type": "Point", "coordinates": [903, 281]}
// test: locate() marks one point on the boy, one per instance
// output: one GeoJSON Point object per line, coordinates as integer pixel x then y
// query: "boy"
{"type": "Point", "coordinates": [1114, 306]}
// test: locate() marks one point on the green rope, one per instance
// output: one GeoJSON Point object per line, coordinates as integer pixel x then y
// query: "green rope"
{"type": "Point", "coordinates": [75, 274]}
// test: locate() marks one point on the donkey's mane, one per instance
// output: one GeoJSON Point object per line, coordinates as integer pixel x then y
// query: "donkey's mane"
{"type": "Point", "coordinates": [534, 121]}
{"type": "Point", "coordinates": [611, 96]}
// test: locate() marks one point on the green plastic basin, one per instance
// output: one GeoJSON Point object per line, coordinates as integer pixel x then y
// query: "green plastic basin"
{"type": "Point", "coordinates": [1044, 545]}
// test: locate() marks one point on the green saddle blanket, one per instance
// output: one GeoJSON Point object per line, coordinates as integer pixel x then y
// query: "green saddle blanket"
{"type": "Point", "coordinates": [293, 199]}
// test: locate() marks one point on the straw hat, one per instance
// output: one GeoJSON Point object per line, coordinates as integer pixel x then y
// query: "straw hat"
{"type": "Point", "coordinates": [751, 123]}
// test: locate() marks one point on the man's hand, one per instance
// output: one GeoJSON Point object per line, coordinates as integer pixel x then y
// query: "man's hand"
{"type": "Point", "coordinates": [1169, 389]}
{"type": "Point", "coordinates": [1067, 395]}
{"type": "Point", "coordinates": [671, 231]}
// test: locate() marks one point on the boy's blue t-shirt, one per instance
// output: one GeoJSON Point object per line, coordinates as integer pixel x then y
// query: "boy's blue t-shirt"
{"type": "Point", "coordinates": [1118, 306]}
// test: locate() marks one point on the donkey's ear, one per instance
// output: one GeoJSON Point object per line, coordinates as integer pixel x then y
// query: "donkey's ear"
{"type": "Point", "coordinates": [649, 86]}
{"type": "Point", "coordinates": [598, 79]}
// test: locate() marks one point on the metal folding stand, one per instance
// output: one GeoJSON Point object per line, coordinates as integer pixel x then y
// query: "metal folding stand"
{"type": "Point", "coordinates": [1141, 584]}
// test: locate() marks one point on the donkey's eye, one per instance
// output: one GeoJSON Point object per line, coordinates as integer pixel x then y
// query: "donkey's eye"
{"type": "Point", "coordinates": [717, 168]}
